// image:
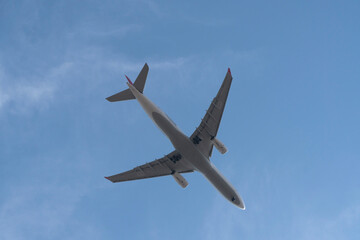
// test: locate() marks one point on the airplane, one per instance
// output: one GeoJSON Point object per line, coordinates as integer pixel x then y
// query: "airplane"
{"type": "Point", "coordinates": [191, 153]}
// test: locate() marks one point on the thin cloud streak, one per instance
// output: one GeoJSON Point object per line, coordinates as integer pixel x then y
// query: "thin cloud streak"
{"type": "Point", "coordinates": [23, 95]}
{"type": "Point", "coordinates": [39, 210]}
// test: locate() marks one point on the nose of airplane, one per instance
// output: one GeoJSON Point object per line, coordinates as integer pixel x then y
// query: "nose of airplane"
{"type": "Point", "coordinates": [241, 204]}
{"type": "Point", "coordinates": [238, 202]}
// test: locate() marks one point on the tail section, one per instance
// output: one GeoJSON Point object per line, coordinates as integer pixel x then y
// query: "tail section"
{"type": "Point", "coordinates": [121, 96]}
{"type": "Point", "coordinates": [139, 84]}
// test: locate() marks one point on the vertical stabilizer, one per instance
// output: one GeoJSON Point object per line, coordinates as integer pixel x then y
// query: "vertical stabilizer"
{"type": "Point", "coordinates": [139, 83]}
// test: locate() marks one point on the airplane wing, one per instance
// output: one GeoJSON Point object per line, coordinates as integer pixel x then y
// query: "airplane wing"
{"type": "Point", "coordinates": [209, 125]}
{"type": "Point", "coordinates": [167, 165]}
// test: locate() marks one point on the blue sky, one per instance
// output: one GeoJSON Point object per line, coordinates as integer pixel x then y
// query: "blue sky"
{"type": "Point", "coordinates": [291, 123]}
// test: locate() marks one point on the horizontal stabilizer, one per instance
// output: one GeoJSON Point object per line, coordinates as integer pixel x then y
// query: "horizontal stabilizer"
{"type": "Point", "coordinates": [121, 96]}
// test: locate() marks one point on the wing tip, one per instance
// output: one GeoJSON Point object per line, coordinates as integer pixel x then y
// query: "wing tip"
{"type": "Point", "coordinates": [108, 178]}
{"type": "Point", "coordinates": [229, 71]}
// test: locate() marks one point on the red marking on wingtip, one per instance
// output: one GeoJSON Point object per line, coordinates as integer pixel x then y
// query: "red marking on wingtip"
{"type": "Point", "coordinates": [229, 71]}
{"type": "Point", "coordinates": [129, 80]}
{"type": "Point", "coordinates": [107, 178]}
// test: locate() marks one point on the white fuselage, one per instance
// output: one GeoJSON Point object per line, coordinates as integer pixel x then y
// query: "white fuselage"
{"type": "Point", "coordinates": [187, 149]}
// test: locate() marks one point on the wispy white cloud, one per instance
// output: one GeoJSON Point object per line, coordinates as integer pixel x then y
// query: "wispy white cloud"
{"type": "Point", "coordinates": [154, 8]}
{"type": "Point", "coordinates": [40, 211]}
{"type": "Point", "coordinates": [111, 32]}
{"type": "Point", "coordinates": [129, 65]}
{"type": "Point", "coordinates": [21, 95]}
{"type": "Point", "coordinates": [25, 210]}
{"type": "Point", "coordinates": [41, 203]}
{"type": "Point", "coordinates": [175, 63]}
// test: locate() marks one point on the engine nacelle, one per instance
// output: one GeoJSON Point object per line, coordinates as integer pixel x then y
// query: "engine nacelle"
{"type": "Point", "coordinates": [219, 146]}
{"type": "Point", "coordinates": [180, 179]}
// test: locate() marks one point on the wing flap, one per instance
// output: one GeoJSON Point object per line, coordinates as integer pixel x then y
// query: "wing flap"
{"type": "Point", "coordinates": [208, 128]}
{"type": "Point", "coordinates": [160, 167]}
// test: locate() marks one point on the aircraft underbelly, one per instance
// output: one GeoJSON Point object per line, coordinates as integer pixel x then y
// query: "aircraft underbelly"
{"type": "Point", "coordinates": [191, 155]}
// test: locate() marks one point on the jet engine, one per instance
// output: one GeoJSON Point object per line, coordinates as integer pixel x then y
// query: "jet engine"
{"type": "Point", "coordinates": [180, 179]}
{"type": "Point", "coordinates": [219, 145]}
